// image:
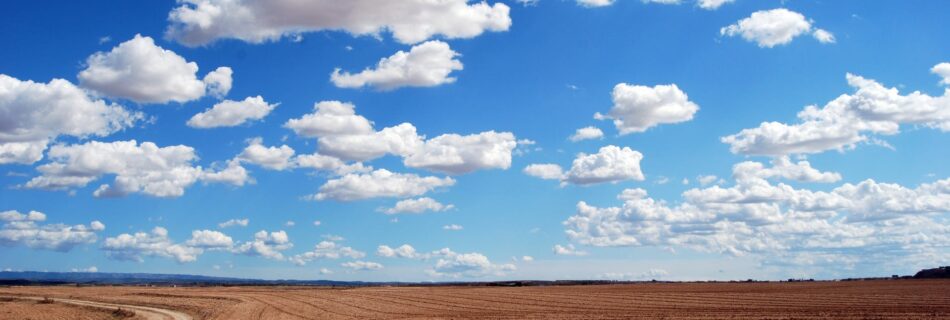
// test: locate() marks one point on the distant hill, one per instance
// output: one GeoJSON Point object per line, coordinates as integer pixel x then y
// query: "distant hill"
{"type": "Point", "coordinates": [935, 273]}
{"type": "Point", "coordinates": [33, 277]}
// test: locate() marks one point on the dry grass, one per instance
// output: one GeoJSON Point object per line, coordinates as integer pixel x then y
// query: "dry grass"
{"type": "Point", "coordinates": [906, 299]}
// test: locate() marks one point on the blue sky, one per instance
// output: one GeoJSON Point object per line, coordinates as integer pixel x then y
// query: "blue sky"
{"type": "Point", "coordinates": [703, 164]}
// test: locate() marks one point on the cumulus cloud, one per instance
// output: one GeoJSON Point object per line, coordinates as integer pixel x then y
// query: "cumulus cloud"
{"type": "Point", "coordinates": [868, 222]}
{"type": "Point", "coordinates": [157, 243]}
{"type": "Point", "coordinates": [587, 133]}
{"type": "Point", "coordinates": [267, 245]}
{"type": "Point", "coordinates": [467, 265]}
{"type": "Point", "coordinates": [419, 205]}
{"type": "Point", "coordinates": [379, 183]}
{"type": "Point", "coordinates": [199, 22]}
{"type": "Point", "coordinates": [334, 165]}
{"type": "Point", "coordinates": [568, 250]}
{"type": "Point", "coordinates": [27, 230]}
{"type": "Point", "coordinates": [457, 154]}
{"type": "Point", "coordinates": [595, 3]}
{"type": "Point", "coordinates": [361, 265]}
{"type": "Point", "coordinates": [638, 108]}
{"type": "Point", "coordinates": [547, 171]}
{"type": "Point", "coordinates": [609, 164]}
{"type": "Point", "coordinates": [34, 114]}
{"type": "Point", "coordinates": [942, 70]}
{"type": "Point", "coordinates": [326, 250]}
{"type": "Point", "coordinates": [209, 239]}
{"type": "Point", "coordinates": [233, 174]}
{"type": "Point", "coordinates": [646, 275]}
{"type": "Point", "coordinates": [403, 251]}
{"type": "Point", "coordinates": [145, 168]}
{"type": "Point", "coordinates": [452, 227]}
{"type": "Point", "coordinates": [134, 247]}
{"type": "Point", "coordinates": [91, 269]}
{"type": "Point", "coordinates": [425, 65]}
{"type": "Point", "coordinates": [234, 223]}
{"type": "Point", "coordinates": [143, 72]}
{"type": "Point", "coordinates": [842, 123]}
{"type": "Point", "coordinates": [782, 167]}
{"type": "Point", "coordinates": [823, 36]}
{"type": "Point", "coordinates": [230, 113]}
{"type": "Point", "coordinates": [274, 158]}
{"type": "Point", "coordinates": [770, 28]}
{"type": "Point", "coordinates": [343, 134]}
{"type": "Point", "coordinates": [712, 4]}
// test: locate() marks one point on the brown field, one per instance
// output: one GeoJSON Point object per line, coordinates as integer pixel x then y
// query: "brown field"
{"type": "Point", "coordinates": [897, 299]}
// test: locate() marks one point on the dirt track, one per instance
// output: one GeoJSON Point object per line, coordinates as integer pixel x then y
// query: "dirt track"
{"type": "Point", "coordinates": [910, 299]}
{"type": "Point", "coordinates": [146, 313]}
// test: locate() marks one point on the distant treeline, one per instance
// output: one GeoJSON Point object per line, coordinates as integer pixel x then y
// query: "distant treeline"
{"type": "Point", "coordinates": [26, 278]}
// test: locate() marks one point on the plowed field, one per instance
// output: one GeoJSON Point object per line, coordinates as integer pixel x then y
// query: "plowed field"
{"type": "Point", "coordinates": [899, 299]}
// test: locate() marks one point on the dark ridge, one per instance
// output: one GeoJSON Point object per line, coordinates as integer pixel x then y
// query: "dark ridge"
{"type": "Point", "coordinates": [935, 273]}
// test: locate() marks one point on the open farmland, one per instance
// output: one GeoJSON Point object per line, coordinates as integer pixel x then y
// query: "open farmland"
{"type": "Point", "coordinates": [899, 299]}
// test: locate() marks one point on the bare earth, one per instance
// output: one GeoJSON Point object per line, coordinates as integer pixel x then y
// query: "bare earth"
{"type": "Point", "coordinates": [902, 299]}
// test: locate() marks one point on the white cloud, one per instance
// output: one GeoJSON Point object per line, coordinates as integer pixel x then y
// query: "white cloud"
{"type": "Point", "coordinates": [267, 245]}
{"type": "Point", "coordinates": [361, 265]}
{"type": "Point", "coordinates": [663, 1]}
{"type": "Point", "coordinates": [143, 72]}
{"type": "Point", "coordinates": [713, 4]}
{"type": "Point", "coordinates": [317, 223]}
{"type": "Point", "coordinates": [91, 269]}
{"type": "Point", "coordinates": [469, 265]}
{"type": "Point", "coordinates": [290, 223]}
{"type": "Point", "coordinates": [327, 163]}
{"type": "Point", "coordinates": [568, 250]}
{"type": "Point", "coordinates": [452, 227]}
{"type": "Point", "coordinates": [609, 164]}
{"type": "Point", "coordinates": [218, 82]}
{"type": "Point", "coordinates": [326, 250]}
{"type": "Point", "coordinates": [33, 114]}
{"type": "Point", "coordinates": [823, 36]}
{"type": "Point", "coordinates": [325, 271]}
{"type": "Point", "coordinates": [769, 28]}
{"type": "Point", "coordinates": [330, 118]}
{"type": "Point", "coordinates": [234, 223]}
{"type": "Point", "coordinates": [234, 174]}
{"type": "Point", "coordinates": [845, 121]}
{"type": "Point", "coordinates": [868, 222]}
{"type": "Point", "coordinates": [198, 22]}
{"type": "Point", "coordinates": [135, 247]}
{"type": "Point", "coordinates": [587, 133]}
{"type": "Point", "coordinates": [646, 275]}
{"type": "Point", "coordinates": [782, 167]}
{"type": "Point", "coordinates": [547, 171]}
{"type": "Point", "coordinates": [230, 113]}
{"type": "Point", "coordinates": [379, 183]}
{"type": "Point", "coordinates": [403, 251]}
{"type": "Point", "coordinates": [425, 65]}
{"type": "Point", "coordinates": [274, 158]}
{"type": "Point", "coordinates": [456, 154]}
{"type": "Point", "coordinates": [145, 168]}
{"type": "Point", "coordinates": [419, 205]}
{"type": "Point", "coordinates": [705, 180]}
{"type": "Point", "coordinates": [942, 70]}
{"type": "Point", "coordinates": [527, 259]}
{"type": "Point", "coordinates": [595, 3]}
{"type": "Point", "coordinates": [343, 134]}
{"type": "Point", "coordinates": [26, 230]}
{"type": "Point", "coordinates": [638, 108]}
{"type": "Point", "coordinates": [209, 239]}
